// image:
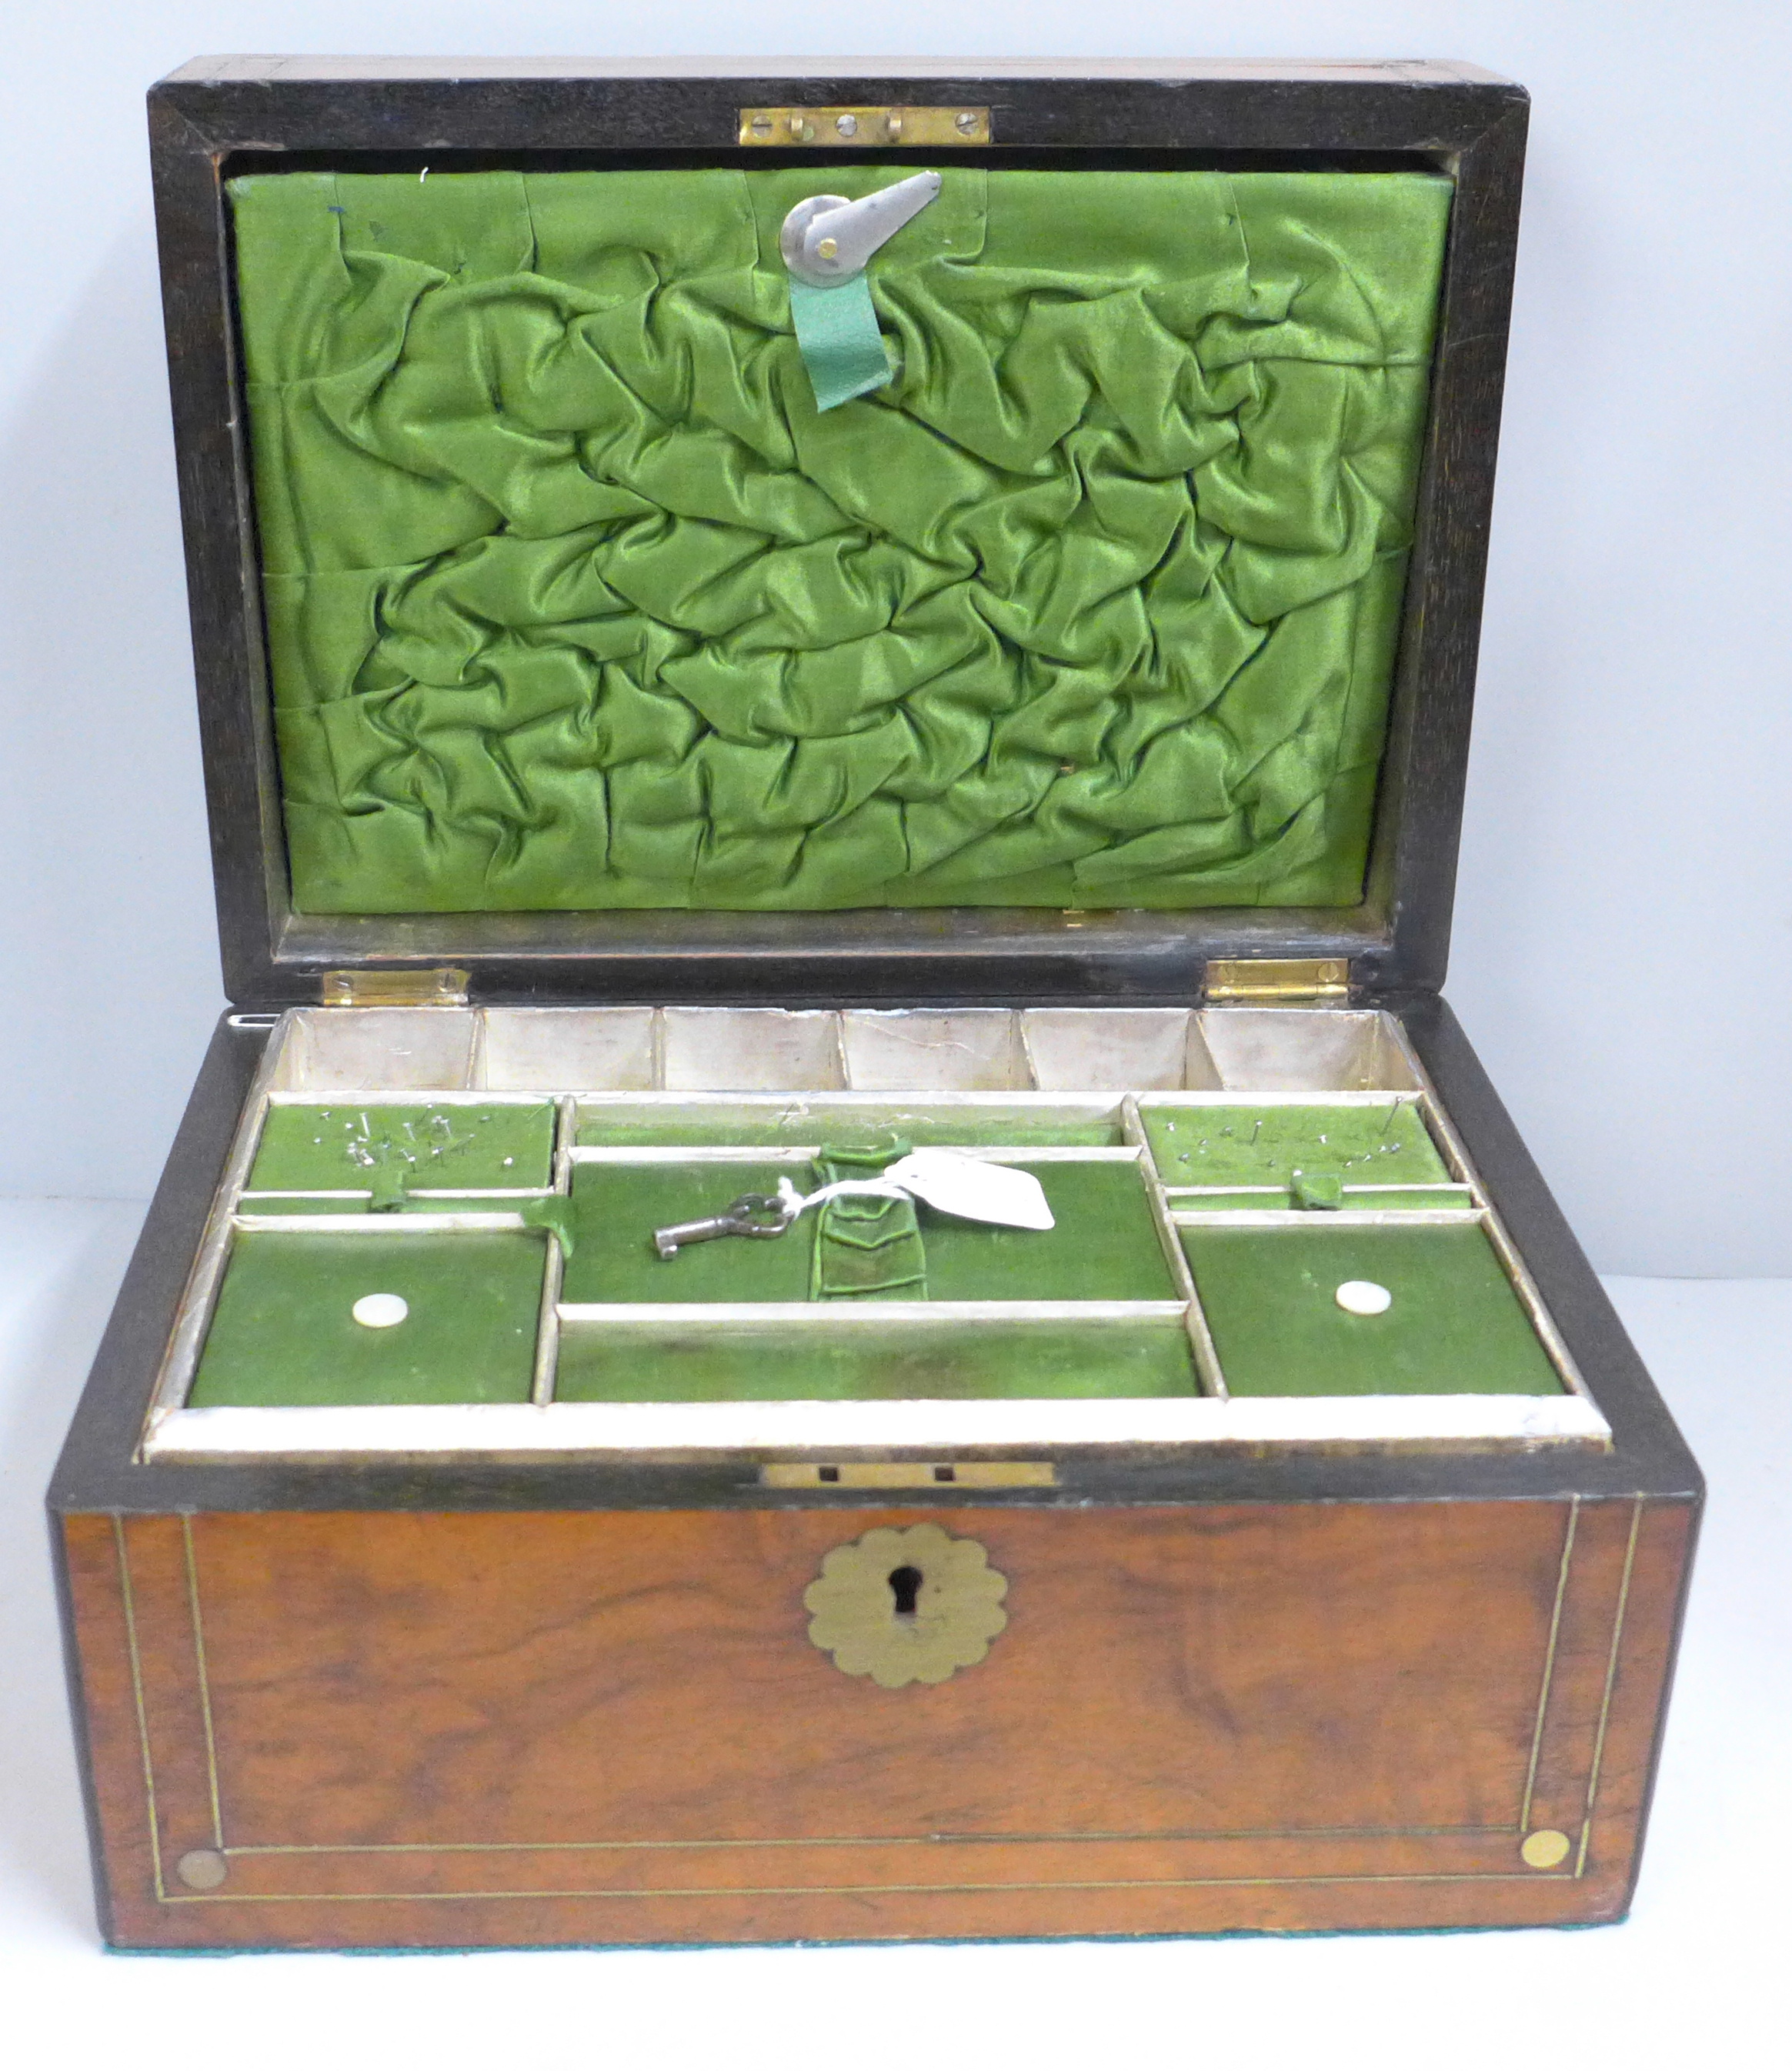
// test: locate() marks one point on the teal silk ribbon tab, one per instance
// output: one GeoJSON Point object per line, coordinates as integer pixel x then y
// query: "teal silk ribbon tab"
{"type": "Point", "coordinates": [841, 347]}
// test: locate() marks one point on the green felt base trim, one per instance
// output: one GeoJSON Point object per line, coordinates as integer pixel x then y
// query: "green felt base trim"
{"type": "Point", "coordinates": [1352, 1197]}
{"type": "Point", "coordinates": [747, 1130]}
{"type": "Point", "coordinates": [575, 600]}
{"type": "Point", "coordinates": [361, 1204]}
{"type": "Point", "coordinates": [1103, 1248]}
{"type": "Point", "coordinates": [966, 1362]}
{"type": "Point", "coordinates": [282, 1335]}
{"type": "Point", "coordinates": [318, 1147]}
{"type": "Point", "coordinates": [842, 347]}
{"type": "Point", "coordinates": [1456, 1327]}
{"type": "Point", "coordinates": [1265, 1147]}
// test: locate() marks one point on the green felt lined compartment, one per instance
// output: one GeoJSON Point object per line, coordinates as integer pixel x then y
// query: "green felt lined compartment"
{"type": "Point", "coordinates": [574, 601]}
{"type": "Point", "coordinates": [1104, 1247]}
{"type": "Point", "coordinates": [1266, 1146]}
{"type": "Point", "coordinates": [327, 1145]}
{"type": "Point", "coordinates": [795, 1124]}
{"type": "Point", "coordinates": [957, 1362]}
{"type": "Point", "coordinates": [1456, 1326]}
{"type": "Point", "coordinates": [282, 1334]}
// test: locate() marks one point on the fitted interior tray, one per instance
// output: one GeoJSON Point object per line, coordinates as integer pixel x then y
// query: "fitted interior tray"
{"type": "Point", "coordinates": [436, 1234]}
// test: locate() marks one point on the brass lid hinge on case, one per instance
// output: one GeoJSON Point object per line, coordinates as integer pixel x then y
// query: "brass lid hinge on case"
{"type": "Point", "coordinates": [1276, 981]}
{"type": "Point", "coordinates": [922, 129]}
{"type": "Point", "coordinates": [394, 988]}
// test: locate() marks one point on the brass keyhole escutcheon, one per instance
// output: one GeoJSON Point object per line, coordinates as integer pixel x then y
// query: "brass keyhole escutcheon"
{"type": "Point", "coordinates": [906, 1606]}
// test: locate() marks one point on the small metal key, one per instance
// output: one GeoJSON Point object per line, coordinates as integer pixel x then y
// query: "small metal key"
{"type": "Point", "coordinates": [753, 1215]}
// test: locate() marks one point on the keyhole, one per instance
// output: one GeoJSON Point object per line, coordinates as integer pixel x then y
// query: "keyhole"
{"type": "Point", "coordinates": [905, 1586]}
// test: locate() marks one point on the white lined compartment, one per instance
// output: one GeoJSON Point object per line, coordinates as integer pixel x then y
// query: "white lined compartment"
{"type": "Point", "coordinates": [748, 1049]}
{"type": "Point", "coordinates": [922, 1050]}
{"type": "Point", "coordinates": [376, 1049]}
{"type": "Point", "coordinates": [1283, 1049]}
{"type": "Point", "coordinates": [546, 1049]}
{"type": "Point", "coordinates": [1123, 1049]}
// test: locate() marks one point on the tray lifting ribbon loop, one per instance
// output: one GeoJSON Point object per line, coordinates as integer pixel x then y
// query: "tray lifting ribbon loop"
{"type": "Point", "coordinates": [826, 241]}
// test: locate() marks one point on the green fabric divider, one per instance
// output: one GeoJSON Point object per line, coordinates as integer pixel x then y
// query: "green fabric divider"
{"type": "Point", "coordinates": [574, 599]}
{"type": "Point", "coordinates": [1349, 1198]}
{"type": "Point", "coordinates": [1456, 1326]}
{"type": "Point", "coordinates": [1248, 1145]}
{"type": "Point", "coordinates": [866, 1247]}
{"type": "Point", "coordinates": [310, 1147]}
{"type": "Point", "coordinates": [1103, 1248]}
{"type": "Point", "coordinates": [282, 1334]}
{"type": "Point", "coordinates": [841, 347]}
{"type": "Point", "coordinates": [960, 1361]}
{"type": "Point", "coordinates": [944, 1127]}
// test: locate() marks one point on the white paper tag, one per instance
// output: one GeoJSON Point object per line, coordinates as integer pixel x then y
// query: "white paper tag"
{"type": "Point", "coordinates": [973, 1188]}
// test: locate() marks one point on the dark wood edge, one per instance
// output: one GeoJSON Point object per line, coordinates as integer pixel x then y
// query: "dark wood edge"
{"type": "Point", "coordinates": [1445, 115]}
{"type": "Point", "coordinates": [1413, 867]}
{"type": "Point", "coordinates": [275, 71]}
{"type": "Point", "coordinates": [97, 1471]}
{"type": "Point", "coordinates": [79, 1717]}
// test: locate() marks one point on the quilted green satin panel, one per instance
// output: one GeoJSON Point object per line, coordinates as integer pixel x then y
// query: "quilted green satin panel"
{"type": "Point", "coordinates": [574, 600]}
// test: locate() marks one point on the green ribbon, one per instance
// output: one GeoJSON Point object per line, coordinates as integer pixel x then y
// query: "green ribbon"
{"type": "Point", "coordinates": [842, 345]}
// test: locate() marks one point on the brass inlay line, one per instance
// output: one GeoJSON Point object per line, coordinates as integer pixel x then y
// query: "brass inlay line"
{"type": "Point", "coordinates": [129, 1602]}
{"type": "Point", "coordinates": [205, 1685]}
{"type": "Point", "coordinates": [998, 1840]}
{"type": "Point", "coordinates": [863, 1841]}
{"type": "Point", "coordinates": [1611, 1678]}
{"type": "Point", "coordinates": [1549, 1663]}
{"type": "Point", "coordinates": [859, 1890]}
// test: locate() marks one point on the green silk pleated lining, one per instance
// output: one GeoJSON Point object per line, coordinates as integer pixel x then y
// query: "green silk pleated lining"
{"type": "Point", "coordinates": [575, 600]}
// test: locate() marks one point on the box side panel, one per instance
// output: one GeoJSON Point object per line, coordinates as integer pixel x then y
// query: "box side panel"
{"type": "Point", "coordinates": [368, 1729]}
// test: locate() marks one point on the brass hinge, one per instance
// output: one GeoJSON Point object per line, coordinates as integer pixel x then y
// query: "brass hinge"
{"type": "Point", "coordinates": [1268, 981]}
{"type": "Point", "coordinates": [394, 988]}
{"type": "Point", "coordinates": [846, 129]}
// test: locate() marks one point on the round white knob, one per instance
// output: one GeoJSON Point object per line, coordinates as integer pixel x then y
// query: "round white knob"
{"type": "Point", "coordinates": [379, 1312]}
{"type": "Point", "coordinates": [1363, 1298]}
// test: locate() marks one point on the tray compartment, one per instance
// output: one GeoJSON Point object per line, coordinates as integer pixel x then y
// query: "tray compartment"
{"type": "Point", "coordinates": [1456, 1327]}
{"type": "Point", "coordinates": [1280, 1049]}
{"type": "Point", "coordinates": [546, 1049]}
{"type": "Point", "coordinates": [973, 1050]}
{"type": "Point", "coordinates": [430, 1145]}
{"type": "Point", "coordinates": [284, 1334]}
{"type": "Point", "coordinates": [1153, 1131]}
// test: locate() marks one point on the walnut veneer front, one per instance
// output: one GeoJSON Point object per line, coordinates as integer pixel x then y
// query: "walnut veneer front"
{"type": "Point", "coordinates": [428, 1729]}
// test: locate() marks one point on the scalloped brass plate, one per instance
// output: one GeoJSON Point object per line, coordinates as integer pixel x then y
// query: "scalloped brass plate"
{"type": "Point", "coordinates": [906, 1604]}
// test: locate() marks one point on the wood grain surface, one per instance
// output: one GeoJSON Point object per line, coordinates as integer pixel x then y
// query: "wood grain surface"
{"type": "Point", "coordinates": [435, 1729]}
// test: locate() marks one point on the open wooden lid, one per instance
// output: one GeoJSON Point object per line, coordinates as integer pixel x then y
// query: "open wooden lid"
{"type": "Point", "coordinates": [546, 632]}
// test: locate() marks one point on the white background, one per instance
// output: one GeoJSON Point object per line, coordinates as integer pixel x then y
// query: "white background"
{"type": "Point", "coordinates": [1623, 961]}
{"type": "Point", "coordinates": [1623, 954]}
